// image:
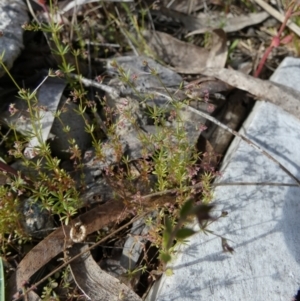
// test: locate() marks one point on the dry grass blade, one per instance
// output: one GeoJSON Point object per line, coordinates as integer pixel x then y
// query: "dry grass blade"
{"type": "Point", "coordinates": [90, 83]}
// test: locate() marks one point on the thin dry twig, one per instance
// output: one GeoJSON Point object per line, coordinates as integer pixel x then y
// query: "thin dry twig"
{"type": "Point", "coordinates": [251, 143]}
{"type": "Point", "coordinates": [124, 33]}
{"type": "Point", "coordinates": [254, 184]}
{"type": "Point", "coordinates": [91, 83]}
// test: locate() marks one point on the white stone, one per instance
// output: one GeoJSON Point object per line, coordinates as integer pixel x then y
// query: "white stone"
{"type": "Point", "coordinates": [263, 225]}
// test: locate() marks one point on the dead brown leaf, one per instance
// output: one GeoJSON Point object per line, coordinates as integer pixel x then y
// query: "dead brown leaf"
{"type": "Point", "coordinates": [200, 87]}
{"type": "Point", "coordinates": [95, 283]}
{"type": "Point", "coordinates": [55, 243]}
{"type": "Point", "coordinates": [179, 54]}
{"type": "Point", "coordinates": [186, 57]}
{"type": "Point", "coordinates": [218, 53]}
{"type": "Point", "coordinates": [286, 98]}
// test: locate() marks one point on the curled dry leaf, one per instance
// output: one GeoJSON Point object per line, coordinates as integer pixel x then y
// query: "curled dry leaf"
{"type": "Point", "coordinates": [186, 57]}
{"type": "Point", "coordinates": [219, 51]}
{"type": "Point", "coordinates": [95, 283]}
{"type": "Point", "coordinates": [230, 23]}
{"type": "Point", "coordinates": [286, 98]}
{"type": "Point", "coordinates": [56, 242]}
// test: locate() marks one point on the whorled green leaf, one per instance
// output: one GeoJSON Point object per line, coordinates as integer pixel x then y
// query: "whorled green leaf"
{"type": "Point", "coordinates": [184, 233]}
{"type": "Point", "coordinates": [165, 257]}
{"type": "Point", "coordinates": [186, 209]}
{"type": "Point", "coordinates": [169, 272]}
{"type": "Point", "coordinates": [168, 224]}
{"type": "Point", "coordinates": [166, 238]}
{"type": "Point", "coordinates": [202, 213]}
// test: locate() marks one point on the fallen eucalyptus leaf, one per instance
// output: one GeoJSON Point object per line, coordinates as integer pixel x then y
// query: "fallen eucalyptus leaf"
{"type": "Point", "coordinates": [187, 57]}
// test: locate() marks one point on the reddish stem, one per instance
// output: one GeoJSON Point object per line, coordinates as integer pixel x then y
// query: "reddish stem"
{"type": "Point", "coordinates": [6, 168]}
{"type": "Point", "coordinates": [275, 41]}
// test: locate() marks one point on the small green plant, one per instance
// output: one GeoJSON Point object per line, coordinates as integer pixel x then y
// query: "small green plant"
{"type": "Point", "coordinates": [167, 156]}
{"type": "Point", "coordinates": [48, 290]}
{"type": "Point", "coordinates": [178, 232]}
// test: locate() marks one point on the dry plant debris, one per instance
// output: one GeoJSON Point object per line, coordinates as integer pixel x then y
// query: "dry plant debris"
{"type": "Point", "coordinates": [134, 150]}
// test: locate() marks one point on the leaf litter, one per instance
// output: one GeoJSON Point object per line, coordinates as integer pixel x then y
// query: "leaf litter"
{"type": "Point", "coordinates": [185, 57]}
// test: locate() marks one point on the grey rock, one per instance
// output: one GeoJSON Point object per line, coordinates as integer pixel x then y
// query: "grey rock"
{"type": "Point", "coordinates": [59, 143]}
{"type": "Point", "coordinates": [36, 222]}
{"type": "Point", "coordinates": [133, 246]}
{"type": "Point", "coordinates": [140, 70]}
{"type": "Point", "coordinates": [13, 14]}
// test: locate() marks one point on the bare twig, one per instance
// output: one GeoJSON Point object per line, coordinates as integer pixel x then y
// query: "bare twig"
{"type": "Point", "coordinates": [125, 34]}
{"type": "Point", "coordinates": [91, 83]}
{"type": "Point", "coordinates": [251, 143]}
{"type": "Point", "coordinates": [254, 184]}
